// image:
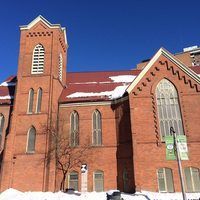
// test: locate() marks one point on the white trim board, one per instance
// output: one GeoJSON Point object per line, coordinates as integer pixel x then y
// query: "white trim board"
{"type": "Point", "coordinates": [169, 56]}
{"type": "Point", "coordinates": [47, 23]}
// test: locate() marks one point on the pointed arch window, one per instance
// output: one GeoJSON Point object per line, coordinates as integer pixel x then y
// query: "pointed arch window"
{"type": "Point", "coordinates": [31, 136]}
{"type": "Point", "coordinates": [98, 181]}
{"type": "Point", "coordinates": [38, 59]}
{"type": "Point", "coordinates": [2, 120]}
{"type": "Point", "coordinates": [169, 113]}
{"type": "Point", "coordinates": [74, 129]}
{"type": "Point", "coordinates": [165, 180]}
{"type": "Point", "coordinates": [30, 101]}
{"type": "Point", "coordinates": [73, 180]}
{"type": "Point", "coordinates": [97, 130]}
{"type": "Point", "coordinates": [192, 179]}
{"type": "Point", "coordinates": [60, 67]}
{"type": "Point", "coordinates": [39, 100]}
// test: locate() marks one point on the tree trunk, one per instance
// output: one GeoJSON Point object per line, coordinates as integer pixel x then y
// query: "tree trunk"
{"type": "Point", "coordinates": [62, 184]}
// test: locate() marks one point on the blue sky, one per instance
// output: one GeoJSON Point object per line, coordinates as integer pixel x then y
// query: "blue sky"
{"type": "Point", "coordinates": [103, 34]}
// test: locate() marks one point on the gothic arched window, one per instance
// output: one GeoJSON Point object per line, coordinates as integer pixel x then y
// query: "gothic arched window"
{"type": "Point", "coordinates": [74, 129]}
{"type": "Point", "coordinates": [98, 181]}
{"type": "Point", "coordinates": [60, 67]}
{"type": "Point", "coordinates": [192, 179]}
{"type": "Point", "coordinates": [97, 132]}
{"type": "Point", "coordinates": [31, 136]}
{"type": "Point", "coordinates": [73, 180]}
{"type": "Point", "coordinates": [30, 101]}
{"type": "Point", "coordinates": [2, 120]}
{"type": "Point", "coordinates": [38, 60]}
{"type": "Point", "coordinates": [169, 114]}
{"type": "Point", "coordinates": [165, 180]}
{"type": "Point", "coordinates": [39, 100]}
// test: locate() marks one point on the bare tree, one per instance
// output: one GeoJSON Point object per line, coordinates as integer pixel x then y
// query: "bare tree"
{"type": "Point", "coordinates": [67, 153]}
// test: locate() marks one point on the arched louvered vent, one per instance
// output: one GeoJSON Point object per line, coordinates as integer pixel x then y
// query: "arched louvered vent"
{"type": "Point", "coordinates": [38, 60]}
{"type": "Point", "coordinates": [60, 67]}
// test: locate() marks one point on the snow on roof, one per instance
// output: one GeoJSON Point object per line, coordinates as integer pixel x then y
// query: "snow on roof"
{"type": "Point", "coordinates": [7, 84]}
{"type": "Point", "coordinates": [10, 81]}
{"type": "Point", "coordinates": [79, 83]}
{"type": "Point", "coordinates": [7, 97]}
{"type": "Point", "coordinates": [7, 90]}
{"type": "Point", "coordinates": [122, 78]}
{"type": "Point", "coordinates": [113, 94]}
{"type": "Point", "coordinates": [97, 86]}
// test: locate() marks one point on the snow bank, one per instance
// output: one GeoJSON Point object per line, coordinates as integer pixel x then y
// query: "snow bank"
{"type": "Point", "coordinates": [12, 194]}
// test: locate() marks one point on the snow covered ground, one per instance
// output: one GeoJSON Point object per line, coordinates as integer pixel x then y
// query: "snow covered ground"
{"type": "Point", "coordinates": [12, 194]}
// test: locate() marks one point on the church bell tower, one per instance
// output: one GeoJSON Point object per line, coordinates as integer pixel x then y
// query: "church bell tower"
{"type": "Point", "coordinates": [40, 79]}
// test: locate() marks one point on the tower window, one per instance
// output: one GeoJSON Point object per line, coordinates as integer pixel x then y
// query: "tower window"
{"type": "Point", "coordinates": [38, 60]}
{"type": "Point", "coordinates": [60, 67]}
{"type": "Point", "coordinates": [30, 148]}
{"type": "Point", "coordinates": [30, 101]}
{"type": "Point", "coordinates": [39, 100]}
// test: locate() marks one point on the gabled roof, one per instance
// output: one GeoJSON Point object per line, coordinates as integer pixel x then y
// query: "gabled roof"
{"type": "Point", "coordinates": [173, 59]}
{"type": "Point", "coordinates": [96, 86]}
{"type": "Point", "coordinates": [46, 22]}
{"type": "Point", "coordinates": [7, 90]}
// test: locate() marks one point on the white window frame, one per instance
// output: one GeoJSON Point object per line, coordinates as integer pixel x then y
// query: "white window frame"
{"type": "Point", "coordinates": [94, 185]}
{"type": "Point", "coordinates": [60, 69]}
{"type": "Point", "coordinates": [27, 141]}
{"type": "Point", "coordinates": [75, 131]}
{"type": "Point", "coordinates": [37, 66]}
{"type": "Point", "coordinates": [192, 178]}
{"type": "Point", "coordinates": [168, 107]}
{"type": "Point", "coordinates": [97, 130]}
{"type": "Point", "coordinates": [165, 179]}
{"type": "Point", "coordinates": [36, 110]}
{"type": "Point", "coordinates": [29, 95]}
{"type": "Point", "coordinates": [2, 123]}
{"type": "Point", "coordinates": [75, 172]}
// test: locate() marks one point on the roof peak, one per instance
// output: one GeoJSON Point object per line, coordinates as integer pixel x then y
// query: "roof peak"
{"type": "Point", "coordinates": [46, 22]}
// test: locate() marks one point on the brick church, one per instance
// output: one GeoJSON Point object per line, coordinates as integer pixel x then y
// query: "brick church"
{"type": "Point", "coordinates": [124, 115]}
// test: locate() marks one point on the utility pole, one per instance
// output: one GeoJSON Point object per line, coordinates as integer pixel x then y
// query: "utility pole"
{"type": "Point", "coordinates": [173, 133]}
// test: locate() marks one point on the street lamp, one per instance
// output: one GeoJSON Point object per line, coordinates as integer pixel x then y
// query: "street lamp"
{"type": "Point", "coordinates": [173, 133]}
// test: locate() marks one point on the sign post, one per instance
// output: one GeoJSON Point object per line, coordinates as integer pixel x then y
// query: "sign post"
{"type": "Point", "coordinates": [177, 148]}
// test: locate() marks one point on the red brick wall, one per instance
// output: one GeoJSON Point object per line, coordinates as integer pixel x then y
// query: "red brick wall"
{"type": "Point", "coordinates": [19, 167]}
{"type": "Point", "coordinates": [148, 150]}
{"type": "Point", "coordinates": [99, 157]}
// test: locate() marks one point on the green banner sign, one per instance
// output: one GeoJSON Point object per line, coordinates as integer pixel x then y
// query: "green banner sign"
{"type": "Point", "coordinates": [182, 147]}
{"type": "Point", "coordinates": [170, 153]}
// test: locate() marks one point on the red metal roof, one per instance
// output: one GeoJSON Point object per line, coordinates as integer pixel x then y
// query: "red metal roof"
{"type": "Point", "coordinates": [196, 69]}
{"type": "Point", "coordinates": [92, 82]}
{"type": "Point", "coordinates": [7, 90]}
{"type": "Point", "coordinates": [79, 82]}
